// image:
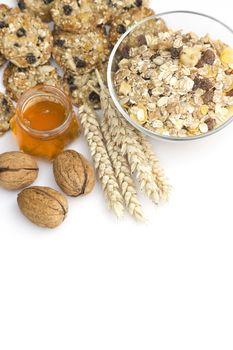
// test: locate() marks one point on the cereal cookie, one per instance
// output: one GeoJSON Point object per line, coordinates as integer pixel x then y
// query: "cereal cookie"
{"type": "Point", "coordinates": [83, 87]}
{"type": "Point", "coordinates": [76, 15]}
{"type": "Point", "coordinates": [17, 80]}
{"type": "Point", "coordinates": [2, 60]}
{"type": "Point", "coordinates": [123, 21]}
{"type": "Point", "coordinates": [80, 52]}
{"type": "Point", "coordinates": [4, 10]}
{"type": "Point", "coordinates": [7, 111]}
{"type": "Point", "coordinates": [26, 41]}
{"type": "Point", "coordinates": [39, 8]}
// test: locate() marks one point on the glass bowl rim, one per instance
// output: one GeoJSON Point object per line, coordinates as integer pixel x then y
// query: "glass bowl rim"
{"type": "Point", "coordinates": [114, 95]}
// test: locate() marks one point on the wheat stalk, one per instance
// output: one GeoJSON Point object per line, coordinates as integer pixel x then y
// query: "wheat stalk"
{"type": "Point", "coordinates": [123, 175]}
{"type": "Point", "coordinates": [126, 138]}
{"type": "Point", "coordinates": [101, 159]}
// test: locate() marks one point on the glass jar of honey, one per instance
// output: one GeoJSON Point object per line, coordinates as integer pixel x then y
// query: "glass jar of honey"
{"type": "Point", "coordinates": [44, 122]}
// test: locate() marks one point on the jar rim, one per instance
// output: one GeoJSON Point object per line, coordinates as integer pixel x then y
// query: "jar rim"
{"type": "Point", "coordinates": [39, 91]}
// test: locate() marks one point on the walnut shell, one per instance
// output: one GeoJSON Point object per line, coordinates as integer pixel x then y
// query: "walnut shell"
{"type": "Point", "coordinates": [73, 173]}
{"type": "Point", "coordinates": [43, 206]}
{"type": "Point", "coordinates": [17, 170]}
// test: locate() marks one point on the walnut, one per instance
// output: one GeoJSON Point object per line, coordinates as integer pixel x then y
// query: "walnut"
{"type": "Point", "coordinates": [43, 206]}
{"type": "Point", "coordinates": [17, 170]}
{"type": "Point", "coordinates": [73, 173]}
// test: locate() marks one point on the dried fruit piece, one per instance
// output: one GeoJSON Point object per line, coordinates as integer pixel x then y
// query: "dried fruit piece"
{"type": "Point", "coordinates": [73, 173]}
{"type": "Point", "coordinates": [208, 96]}
{"type": "Point", "coordinates": [227, 55]}
{"type": "Point", "coordinates": [208, 57]}
{"type": "Point", "coordinates": [211, 123]}
{"type": "Point", "coordinates": [17, 170]}
{"type": "Point", "coordinates": [230, 93]}
{"type": "Point", "coordinates": [175, 52]}
{"type": "Point", "coordinates": [190, 56]}
{"type": "Point", "coordinates": [139, 114]}
{"type": "Point", "coordinates": [43, 206]}
{"type": "Point", "coordinates": [125, 88]}
{"type": "Point", "coordinates": [204, 109]}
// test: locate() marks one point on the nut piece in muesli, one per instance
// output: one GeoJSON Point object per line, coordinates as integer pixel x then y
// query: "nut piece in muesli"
{"type": "Point", "coordinates": [84, 88]}
{"type": "Point", "coordinates": [7, 111]}
{"type": "Point", "coordinates": [17, 80]}
{"type": "Point", "coordinates": [80, 52]}
{"type": "Point", "coordinates": [39, 8]}
{"type": "Point", "coordinates": [26, 41]}
{"type": "Point", "coordinates": [176, 84]}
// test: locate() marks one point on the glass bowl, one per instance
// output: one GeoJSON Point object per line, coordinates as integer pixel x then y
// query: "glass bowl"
{"type": "Point", "coordinates": [186, 21]}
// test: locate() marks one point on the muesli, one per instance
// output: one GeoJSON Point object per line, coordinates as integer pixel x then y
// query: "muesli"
{"type": "Point", "coordinates": [174, 83]}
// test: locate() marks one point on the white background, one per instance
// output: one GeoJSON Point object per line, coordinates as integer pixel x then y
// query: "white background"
{"type": "Point", "coordinates": [99, 283]}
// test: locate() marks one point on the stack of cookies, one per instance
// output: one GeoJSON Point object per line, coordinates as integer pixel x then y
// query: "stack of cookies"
{"type": "Point", "coordinates": [84, 32]}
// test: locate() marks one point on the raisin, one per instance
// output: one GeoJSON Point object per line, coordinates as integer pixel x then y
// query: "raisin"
{"type": "Point", "coordinates": [47, 2]}
{"type": "Point", "coordinates": [31, 59]}
{"type": "Point", "coordinates": [154, 56]}
{"type": "Point", "coordinates": [121, 29]}
{"type": "Point", "coordinates": [150, 92]}
{"type": "Point", "coordinates": [70, 80]}
{"type": "Point", "coordinates": [72, 87]}
{"type": "Point", "coordinates": [208, 96]}
{"type": "Point", "coordinates": [205, 84]}
{"type": "Point", "coordinates": [21, 32]}
{"type": "Point", "coordinates": [4, 102]}
{"type": "Point", "coordinates": [200, 63]}
{"type": "Point", "coordinates": [94, 97]}
{"type": "Point", "coordinates": [79, 63]}
{"type": "Point", "coordinates": [197, 83]}
{"type": "Point", "coordinates": [3, 24]}
{"type": "Point", "coordinates": [59, 42]}
{"type": "Point", "coordinates": [125, 51]}
{"type": "Point", "coordinates": [208, 57]}
{"type": "Point", "coordinates": [67, 10]}
{"type": "Point", "coordinates": [22, 70]}
{"type": "Point", "coordinates": [141, 40]}
{"type": "Point", "coordinates": [175, 52]}
{"type": "Point", "coordinates": [17, 45]}
{"type": "Point", "coordinates": [22, 5]}
{"type": "Point", "coordinates": [40, 39]}
{"type": "Point", "coordinates": [230, 93]}
{"type": "Point", "coordinates": [138, 3]}
{"type": "Point", "coordinates": [211, 123]}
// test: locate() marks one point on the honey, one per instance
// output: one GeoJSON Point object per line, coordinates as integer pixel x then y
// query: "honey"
{"type": "Point", "coordinates": [44, 122]}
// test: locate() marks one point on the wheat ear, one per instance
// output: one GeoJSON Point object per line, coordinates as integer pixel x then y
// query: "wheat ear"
{"type": "Point", "coordinates": [125, 137]}
{"type": "Point", "coordinates": [158, 172]}
{"type": "Point", "coordinates": [101, 159]}
{"type": "Point", "coordinates": [123, 175]}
